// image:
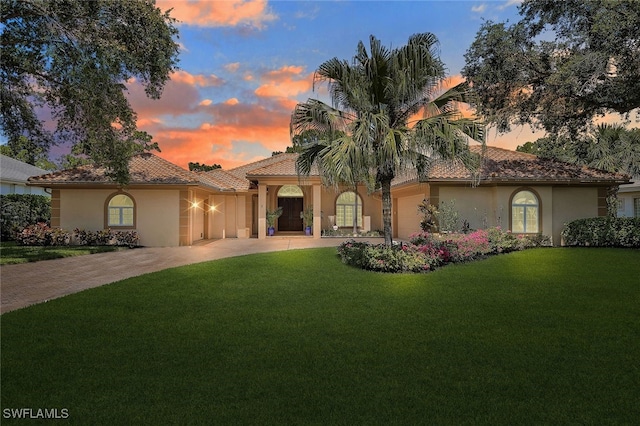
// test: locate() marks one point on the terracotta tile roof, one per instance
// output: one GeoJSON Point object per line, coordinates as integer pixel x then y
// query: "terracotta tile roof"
{"type": "Point", "coordinates": [285, 166]}
{"type": "Point", "coordinates": [144, 169]}
{"type": "Point", "coordinates": [225, 180]}
{"type": "Point", "coordinates": [499, 165]}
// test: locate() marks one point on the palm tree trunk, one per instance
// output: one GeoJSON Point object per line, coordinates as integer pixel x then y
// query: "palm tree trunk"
{"type": "Point", "coordinates": [386, 212]}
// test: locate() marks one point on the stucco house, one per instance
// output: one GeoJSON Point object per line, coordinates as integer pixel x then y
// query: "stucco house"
{"type": "Point", "coordinates": [170, 206]}
{"type": "Point", "coordinates": [14, 175]}
{"type": "Point", "coordinates": [629, 199]}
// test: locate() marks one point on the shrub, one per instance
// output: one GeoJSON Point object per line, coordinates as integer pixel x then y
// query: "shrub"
{"type": "Point", "coordinates": [353, 253]}
{"type": "Point", "coordinates": [427, 251]}
{"type": "Point", "coordinates": [603, 232]}
{"type": "Point", "coordinates": [105, 237]}
{"type": "Point", "coordinates": [20, 211]}
{"type": "Point", "coordinates": [41, 234]}
{"type": "Point", "coordinates": [127, 238]}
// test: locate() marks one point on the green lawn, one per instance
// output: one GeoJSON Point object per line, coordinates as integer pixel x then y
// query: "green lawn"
{"type": "Point", "coordinates": [10, 253]}
{"type": "Point", "coordinates": [544, 336]}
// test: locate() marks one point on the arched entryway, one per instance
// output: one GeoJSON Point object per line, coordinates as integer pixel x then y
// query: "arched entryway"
{"type": "Point", "coordinates": [291, 199]}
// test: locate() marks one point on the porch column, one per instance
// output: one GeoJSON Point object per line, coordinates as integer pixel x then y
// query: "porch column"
{"type": "Point", "coordinates": [317, 211]}
{"type": "Point", "coordinates": [262, 211]}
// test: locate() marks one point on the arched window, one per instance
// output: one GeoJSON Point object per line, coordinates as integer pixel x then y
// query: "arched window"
{"type": "Point", "coordinates": [121, 211]}
{"type": "Point", "coordinates": [290, 191]}
{"type": "Point", "coordinates": [525, 212]}
{"type": "Point", "coordinates": [346, 207]}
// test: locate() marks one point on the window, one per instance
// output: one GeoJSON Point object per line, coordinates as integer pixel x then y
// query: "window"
{"type": "Point", "coordinates": [120, 211]}
{"type": "Point", "coordinates": [345, 208]}
{"type": "Point", "coordinates": [291, 191]}
{"type": "Point", "coordinates": [525, 213]}
{"type": "Point", "coordinates": [636, 207]}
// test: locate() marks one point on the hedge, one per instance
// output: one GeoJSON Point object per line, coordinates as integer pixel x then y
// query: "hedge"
{"type": "Point", "coordinates": [603, 232]}
{"type": "Point", "coordinates": [20, 211]}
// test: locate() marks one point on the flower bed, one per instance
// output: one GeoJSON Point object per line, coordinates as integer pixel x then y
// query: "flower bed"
{"type": "Point", "coordinates": [427, 251]}
{"type": "Point", "coordinates": [41, 234]}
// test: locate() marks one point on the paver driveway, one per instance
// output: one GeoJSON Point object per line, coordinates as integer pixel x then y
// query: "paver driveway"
{"type": "Point", "coordinates": [29, 283]}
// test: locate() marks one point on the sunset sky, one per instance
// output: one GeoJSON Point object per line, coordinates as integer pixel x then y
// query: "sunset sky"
{"type": "Point", "coordinates": [245, 64]}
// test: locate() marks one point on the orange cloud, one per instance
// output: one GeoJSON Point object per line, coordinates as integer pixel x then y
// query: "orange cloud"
{"type": "Point", "coordinates": [285, 82]}
{"type": "Point", "coordinates": [254, 13]}
{"type": "Point", "coordinates": [196, 79]}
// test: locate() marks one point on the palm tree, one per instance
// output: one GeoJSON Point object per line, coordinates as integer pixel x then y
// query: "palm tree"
{"type": "Point", "coordinates": [615, 149]}
{"type": "Point", "coordinates": [385, 118]}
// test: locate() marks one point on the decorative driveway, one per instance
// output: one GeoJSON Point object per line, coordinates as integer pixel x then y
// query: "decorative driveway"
{"type": "Point", "coordinates": [30, 283]}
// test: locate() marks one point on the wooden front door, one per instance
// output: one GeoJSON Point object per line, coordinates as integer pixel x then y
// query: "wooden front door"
{"type": "Point", "coordinates": [290, 219]}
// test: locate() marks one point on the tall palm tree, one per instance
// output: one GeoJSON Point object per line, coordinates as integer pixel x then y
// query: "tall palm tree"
{"type": "Point", "coordinates": [386, 117]}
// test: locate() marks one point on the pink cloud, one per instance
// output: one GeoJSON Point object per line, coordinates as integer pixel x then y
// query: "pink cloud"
{"type": "Point", "coordinates": [196, 79]}
{"type": "Point", "coordinates": [287, 81]}
{"type": "Point", "coordinates": [253, 13]}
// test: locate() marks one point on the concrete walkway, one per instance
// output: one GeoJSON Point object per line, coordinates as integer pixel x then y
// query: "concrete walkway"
{"type": "Point", "coordinates": [29, 283]}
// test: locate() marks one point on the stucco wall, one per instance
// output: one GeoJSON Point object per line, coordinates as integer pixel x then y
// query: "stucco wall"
{"type": "Point", "coordinates": [157, 213]}
{"type": "Point", "coordinates": [407, 215]}
{"type": "Point", "coordinates": [571, 203]}
{"type": "Point", "coordinates": [489, 206]}
{"type": "Point", "coordinates": [481, 206]}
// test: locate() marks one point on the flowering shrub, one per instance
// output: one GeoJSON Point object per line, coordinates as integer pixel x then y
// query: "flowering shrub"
{"type": "Point", "coordinates": [105, 237]}
{"type": "Point", "coordinates": [127, 238]}
{"type": "Point", "coordinates": [426, 251]}
{"type": "Point", "coordinates": [41, 234]}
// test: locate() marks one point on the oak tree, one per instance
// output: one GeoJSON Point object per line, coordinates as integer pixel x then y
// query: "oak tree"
{"type": "Point", "coordinates": [68, 61]}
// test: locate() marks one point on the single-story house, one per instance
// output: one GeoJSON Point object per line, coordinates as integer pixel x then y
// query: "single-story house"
{"type": "Point", "coordinates": [170, 206]}
{"type": "Point", "coordinates": [629, 199]}
{"type": "Point", "coordinates": [14, 175]}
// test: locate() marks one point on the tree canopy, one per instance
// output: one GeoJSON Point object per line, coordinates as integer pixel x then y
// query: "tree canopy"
{"type": "Point", "coordinates": [70, 60]}
{"type": "Point", "coordinates": [562, 64]}
{"type": "Point", "coordinates": [608, 147]}
{"type": "Point", "coordinates": [197, 167]}
{"type": "Point", "coordinates": [390, 114]}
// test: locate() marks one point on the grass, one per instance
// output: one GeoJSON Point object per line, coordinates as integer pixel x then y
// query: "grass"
{"type": "Point", "coordinates": [10, 253]}
{"type": "Point", "coordinates": [542, 336]}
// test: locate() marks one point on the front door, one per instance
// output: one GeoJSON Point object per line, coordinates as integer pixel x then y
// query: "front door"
{"type": "Point", "coordinates": [290, 219]}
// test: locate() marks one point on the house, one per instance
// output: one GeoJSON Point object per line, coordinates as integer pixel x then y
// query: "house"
{"type": "Point", "coordinates": [629, 199]}
{"type": "Point", "coordinates": [170, 206]}
{"type": "Point", "coordinates": [14, 175]}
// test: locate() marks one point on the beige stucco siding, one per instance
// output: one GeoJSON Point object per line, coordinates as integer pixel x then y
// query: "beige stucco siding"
{"type": "Point", "coordinates": [490, 206]}
{"type": "Point", "coordinates": [408, 217]}
{"type": "Point", "coordinates": [197, 217]}
{"type": "Point", "coordinates": [571, 203]}
{"type": "Point", "coordinates": [157, 213]}
{"type": "Point", "coordinates": [217, 219]}
{"type": "Point", "coordinates": [83, 208]}
{"type": "Point", "coordinates": [158, 220]}
{"type": "Point", "coordinates": [481, 206]}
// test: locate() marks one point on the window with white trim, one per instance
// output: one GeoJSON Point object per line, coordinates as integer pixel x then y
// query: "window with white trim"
{"type": "Point", "coordinates": [525, 213]}
{"type": "Point", "coordinates": [346, 207]}
{"type": "Point", "coordinates": [120, 211]}
{"type": "Point", "coordinates": [636, 207]}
